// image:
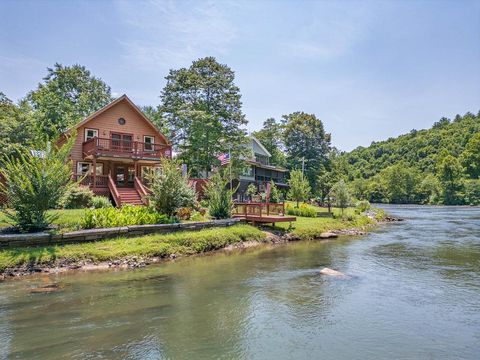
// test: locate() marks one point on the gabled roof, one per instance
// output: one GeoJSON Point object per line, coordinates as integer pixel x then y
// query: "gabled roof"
{"type": "Point", "coordinates": [260, 145]}
{"type": "Point", "coordinates": [124, 97]}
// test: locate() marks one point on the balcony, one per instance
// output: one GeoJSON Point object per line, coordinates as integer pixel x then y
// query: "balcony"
{"type": "Point", "coordinates": [125, 149]}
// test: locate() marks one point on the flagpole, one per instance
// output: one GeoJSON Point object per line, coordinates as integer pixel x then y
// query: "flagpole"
{"type": "Point", "coordinates": [230, 157]}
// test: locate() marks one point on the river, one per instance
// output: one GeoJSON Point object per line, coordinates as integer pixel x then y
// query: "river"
{"type": "Point", "coordinates": [414, 293]}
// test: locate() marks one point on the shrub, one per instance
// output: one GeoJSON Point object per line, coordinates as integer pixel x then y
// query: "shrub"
{"type": "Point", "coordinates": [197, 216]}
{"type": "Point", "coordinates": [274, 193]}
{"type": "Point", "coordinates": [99, 202]}
{"type": "Point", "coordinates": [170, 189]}
{"type": "Point", "coordinates": [299, 187]}
{"type": "Point", "coordinates": [362, 206]}
{"type": "Point", "coordinates": [303, 210]}
{"type": "Point", "coordinates": [77, 197]}
{"type": "Point", "coordinates": [251, 190]}
{"type": "Point", "coordinates": [184, 213]}
{"type": "Point", "coordinates": [34, 183]}
{"type": "Point", "coordinates": [219, 197]}
{"type": "Point", "coordinates": [124, 216]}
{"type": "Point", "coordinates": [341, 195]}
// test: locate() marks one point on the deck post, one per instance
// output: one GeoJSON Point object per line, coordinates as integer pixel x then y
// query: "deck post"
{"type": "Point", "coordinates": [94, 172]}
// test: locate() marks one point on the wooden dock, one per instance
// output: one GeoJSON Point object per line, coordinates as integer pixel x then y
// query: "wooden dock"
{"type": "Point", "coordinates": [262, 213]}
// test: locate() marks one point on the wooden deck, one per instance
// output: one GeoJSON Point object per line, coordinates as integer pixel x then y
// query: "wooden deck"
{"type": "Point", "coordinates": [262, 213]}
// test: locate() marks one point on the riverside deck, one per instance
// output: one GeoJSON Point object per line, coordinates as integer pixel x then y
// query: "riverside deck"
{"type": "Point", "coordinates": [262, 213]}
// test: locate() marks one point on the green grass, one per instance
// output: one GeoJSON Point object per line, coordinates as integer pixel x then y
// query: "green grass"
{"type": "Point", "coordinates": [310, 228]}
{"type": "Point", "coordinates": [67, 219]}
{"type": "Point", "coordinates": [161, 245]}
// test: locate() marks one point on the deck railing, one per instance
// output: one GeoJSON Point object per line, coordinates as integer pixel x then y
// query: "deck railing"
{"type": "Point", "coordinates": [141, 189]}
{"type": "Point", "coordinates": [101, 181]}
{"type": "Point", "coordinates": [127, 148]}
{"type": "Point", "coordinates": [258, 209]}
{"type": "Point", "coordinates": [114, 191]}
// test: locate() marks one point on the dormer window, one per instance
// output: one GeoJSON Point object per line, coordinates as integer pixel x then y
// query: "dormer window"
{"type": "Point", "coordinates": [90, 134]}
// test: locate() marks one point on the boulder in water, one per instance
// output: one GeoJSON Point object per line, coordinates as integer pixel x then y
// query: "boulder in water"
{"type": "Point", "coordinates": [331, 272]}
{"type": "Point", "coordinates": [328, 235]}
{"type": "Point", "coordinates": [46, 289]}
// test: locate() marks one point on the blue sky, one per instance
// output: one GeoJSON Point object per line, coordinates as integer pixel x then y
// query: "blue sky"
{"type": "Point", "coordinates": [368, 69]}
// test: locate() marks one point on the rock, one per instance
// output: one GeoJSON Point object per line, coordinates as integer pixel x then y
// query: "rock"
{"type": "Point", "coordinates": [45, 289]}
{"type": "Point", "coordinates": [173, 256]}
{"type": "Point", "coordinates": [328, 235]}
{"type": "Point", "coordinates": [331, 272]}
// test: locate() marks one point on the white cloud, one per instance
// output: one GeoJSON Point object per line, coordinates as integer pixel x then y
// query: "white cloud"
{"type": "Point", "coordinates": [166, 33]}
{"type": "Point", "coordinates": [330, 31]}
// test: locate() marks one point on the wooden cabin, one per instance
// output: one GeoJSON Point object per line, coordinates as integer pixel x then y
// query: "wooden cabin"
{"type": "Point", "coordinates": [114, 150]}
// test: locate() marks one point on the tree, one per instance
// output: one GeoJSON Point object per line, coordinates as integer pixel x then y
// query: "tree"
{"type": "Point", "coordinates": [450, 175]}
{"type": "Point", "coordinates": [299, 187]}
{"type": "Point", "coordinates": [170, 188]}
{"type": "Point", "coordinates": [341, 195]}
{"type": "Point", "coordinates": [35, 181]}
{"type": "Point", "coordinates": [67, 95]}
{"type": "Point", "coordinates": [201, 105]}
{"type": "Point", "coordinates": [306, 144]}
{"type": "Point", "coordinates": [471, 157]}
{"type": "Point", "coordinates": [401, 182]}
{"type": "Point", "coordinates": [271, 137]}
{"type": "Point", "coordinates": [251, 190]}
{"type": "Point", "coordinates": [156, 118]}
{"type": "Point", "coordinates": [219, 197]}
{"type": "Point", "coordinates": [329, 174]}
{"type": "Point", "coordinates": [274, 193]}
{"type": "Point", "coordinates": [17, 127]}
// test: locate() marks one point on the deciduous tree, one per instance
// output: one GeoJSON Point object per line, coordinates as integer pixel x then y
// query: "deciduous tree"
{"type": "Point", "coordinates": [299, 188]}
{"type": "Point", "coordinates": [66, 96]}
{"type": "Point", "coordinates": [202, 107]}
{"type": "Point", "coordinates": [306, 143]}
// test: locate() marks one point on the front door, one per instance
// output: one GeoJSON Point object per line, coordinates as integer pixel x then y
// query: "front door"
{"type": "Point", "coordinates": [124, 175]}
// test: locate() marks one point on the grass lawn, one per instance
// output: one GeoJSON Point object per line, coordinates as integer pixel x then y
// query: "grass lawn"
{"type": "Point", "coordinates": [67, 219]}
{"type": "Point", "coordinates": [307, 228]}
{"type": "Point", "coordinates": [161, 245]}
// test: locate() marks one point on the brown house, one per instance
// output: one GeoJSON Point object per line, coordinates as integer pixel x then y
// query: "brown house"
{"type": "Point", "coordinates": [115, 148]}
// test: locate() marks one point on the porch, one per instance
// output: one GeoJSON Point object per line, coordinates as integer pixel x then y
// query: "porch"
{"type": "Point", "coordinates": [124, 147]}
{"type": "Point", "coordinates": [124, 181]}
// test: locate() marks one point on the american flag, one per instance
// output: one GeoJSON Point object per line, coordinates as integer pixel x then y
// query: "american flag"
{"type": "Point", "coordinates": [224, 159]}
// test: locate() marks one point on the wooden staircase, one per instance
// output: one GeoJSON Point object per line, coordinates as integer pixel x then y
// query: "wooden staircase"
{"type": "Point", "coordinates": [130, 196]}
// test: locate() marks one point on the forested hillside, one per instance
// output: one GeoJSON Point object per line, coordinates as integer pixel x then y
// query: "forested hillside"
{"type": "Point", "coordinates": [438, 165]}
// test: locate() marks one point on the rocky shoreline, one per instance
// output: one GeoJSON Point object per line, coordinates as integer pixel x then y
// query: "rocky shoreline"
{"type": "Point", "coordinates": [133, 262]}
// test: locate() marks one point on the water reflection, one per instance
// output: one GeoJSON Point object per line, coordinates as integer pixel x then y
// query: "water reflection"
{"type": "Point", "coordinates": [415, 294]}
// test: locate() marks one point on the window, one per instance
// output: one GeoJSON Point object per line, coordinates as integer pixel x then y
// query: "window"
{"type": "Point", "coordinates": [90, 134]}
{"type": "Point", "coordinates": [84, 168]}
{"type": "Point", "coordinates": [121, 121]}
{"type": "Point", "coordinates": [122, 141]}
{"type": "Point", "coordinates": [149, 141]}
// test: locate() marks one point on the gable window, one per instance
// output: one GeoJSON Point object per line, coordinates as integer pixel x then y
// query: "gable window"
{"type": "Point", "coordinates": [90, 134]}
{"type": "Point", "coordinates": [84, 168]}
{"type": "Point", "coordinates": [149, 142]}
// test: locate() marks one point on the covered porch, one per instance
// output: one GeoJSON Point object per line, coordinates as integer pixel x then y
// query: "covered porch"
{"type": "Point", "coordinates": [123, 179]}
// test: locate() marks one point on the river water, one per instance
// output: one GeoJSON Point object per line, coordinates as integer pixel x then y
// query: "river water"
{"type": "Point", "coordinates": [414, 293]}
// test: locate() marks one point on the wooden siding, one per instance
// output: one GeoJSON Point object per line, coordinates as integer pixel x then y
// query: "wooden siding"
{"type": "Point", "coordinates": [107, 122]}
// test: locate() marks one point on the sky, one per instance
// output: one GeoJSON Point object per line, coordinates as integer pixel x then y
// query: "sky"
{"type": "Point", "coordinates": [369, 70]}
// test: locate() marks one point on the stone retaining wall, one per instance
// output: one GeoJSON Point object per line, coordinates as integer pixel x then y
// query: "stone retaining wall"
{"type": "Point", "coordinates": [44, 238]}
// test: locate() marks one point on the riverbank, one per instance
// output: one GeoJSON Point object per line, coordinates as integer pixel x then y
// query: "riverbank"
{"type": "Point", "coordinates": [141, 251]}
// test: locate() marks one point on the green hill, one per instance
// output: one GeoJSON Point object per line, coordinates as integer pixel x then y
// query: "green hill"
{"type": "Point", "coordinates": [437, 165]}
